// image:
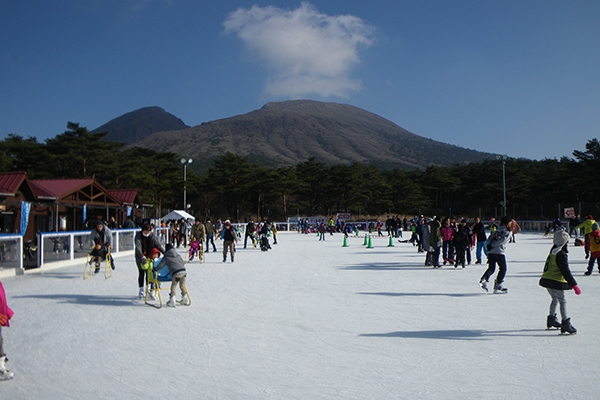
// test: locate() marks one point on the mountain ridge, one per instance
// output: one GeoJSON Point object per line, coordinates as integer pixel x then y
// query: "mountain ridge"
{"type": "Point", "coordinates": [289, 132]}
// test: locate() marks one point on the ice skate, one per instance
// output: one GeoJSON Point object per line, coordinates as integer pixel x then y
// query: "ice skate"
{"type": "Point", "coordinates": [483, 283]}
{"type": "Point", "coordinates": [552, 322]}
{"type": "Point", "coordinates": [587, 273]}
{"type": "Point", "coordinates": [151, 295]}
{"type": "Point", "coordinates": [499, 289]}
{"type": "Point", "coordinates": [185, 301]}
{"type": "Point", "coordinates": [566, 327]}
{"type": "Point", "coordinates": [141, 293]}
{"type": "Point", "coordinates": [171, 302]}
{"type": "Point", "coordinates": [5, 374]}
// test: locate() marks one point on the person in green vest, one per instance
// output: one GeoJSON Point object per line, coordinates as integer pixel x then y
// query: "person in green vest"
{"type": "Point", "coordinates": [557, 278]}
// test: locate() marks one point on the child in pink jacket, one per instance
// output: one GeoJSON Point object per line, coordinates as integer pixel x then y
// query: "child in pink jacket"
{"type": "Point", "coordinates": [5, 314]}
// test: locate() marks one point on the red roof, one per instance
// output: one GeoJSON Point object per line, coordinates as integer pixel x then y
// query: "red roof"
{"type": "Point", "coordinates": [124, 195]}
{"type": "Point", "coordinates": [10, 182]}
{"type": "Point", "coordinates": [61, 187]}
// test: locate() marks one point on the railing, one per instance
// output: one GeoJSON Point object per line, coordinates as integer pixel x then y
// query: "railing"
{"type": "Point", "coordinates": [11, 254]}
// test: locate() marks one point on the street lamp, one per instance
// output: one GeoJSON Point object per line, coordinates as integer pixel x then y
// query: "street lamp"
{"type": "Point", "coordinates": [185, 163]}
{"type": "Point", "coordinates": [503, 158]}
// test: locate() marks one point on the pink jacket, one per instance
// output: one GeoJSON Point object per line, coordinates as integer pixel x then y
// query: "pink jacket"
{"type": "Point", "coordinates": [447, 233]}
{"type": "Point", "coordinates": [4, 309]}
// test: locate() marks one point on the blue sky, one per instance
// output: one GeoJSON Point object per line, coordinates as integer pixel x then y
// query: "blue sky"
{"type": "Point", "coordinates": [512, 77]}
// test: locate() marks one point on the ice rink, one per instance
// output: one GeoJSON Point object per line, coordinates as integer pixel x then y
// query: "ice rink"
{"type": "Point", "coordinates": [306, 320]}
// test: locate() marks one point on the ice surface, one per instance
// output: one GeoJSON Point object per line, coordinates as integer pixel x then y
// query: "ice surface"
{"type": "Point", "coordinates": [305, 320]}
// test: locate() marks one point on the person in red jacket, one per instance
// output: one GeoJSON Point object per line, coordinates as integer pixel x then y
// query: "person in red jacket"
{"type": "Point", "coordinates": [5, 315]}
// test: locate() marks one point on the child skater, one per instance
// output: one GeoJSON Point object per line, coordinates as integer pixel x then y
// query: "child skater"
{"type": "Point", "coordinates": [98, 254]}
{"type": "Point", "coordinates": [194, 248]}
{"type": "Point", "coordinates": [176, 266]}
{"type": "Point", "coordinates": [5, 314]}
{"type": "Point", "coordinates": [147, 266]}
{"type": "Point", "coordinates": [556, 279]}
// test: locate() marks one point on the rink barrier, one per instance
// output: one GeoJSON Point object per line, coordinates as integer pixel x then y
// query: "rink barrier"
{"type": "Point", "coordinates": [58, 249]}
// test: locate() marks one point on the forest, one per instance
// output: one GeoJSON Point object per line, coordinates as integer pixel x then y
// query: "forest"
{"type": "Point", "coordinates": [238, 189]}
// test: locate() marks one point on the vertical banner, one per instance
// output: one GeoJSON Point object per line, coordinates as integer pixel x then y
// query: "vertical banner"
{"type": "Point", "coordinates": [25, 208]}
{"type": "Point", "coordinates": [84, 214]}
{"type": "Point", "coordinates": [129, 211]}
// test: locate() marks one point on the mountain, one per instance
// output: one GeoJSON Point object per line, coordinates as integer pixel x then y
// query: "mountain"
{"type": "Point", "coordinates": [137, 125]}
{"type": "Point", "coordinates": [289, 132]}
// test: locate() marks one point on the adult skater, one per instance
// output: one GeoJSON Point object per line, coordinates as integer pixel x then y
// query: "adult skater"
{"type": "Point", "coordinates": [479, 232]}
{"type": "Point", "coordinates": [145, 241]}
{"type": "Point", "coordinates": [495, 244]}
{"type": "Point", "coordinates": [587, 229]}
{"type": "Point", "coordinates": [556, 279]}
{"type": "Point", "coordinates": [102, 234]}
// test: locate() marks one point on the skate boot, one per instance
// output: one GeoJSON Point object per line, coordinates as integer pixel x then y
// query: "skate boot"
{"type": "Point", "coordinates": [587, 273]}
{"type": "Point", "coordinates": [483, 283]}
{"type": "Point", "coordinates": [171, 302]}
{"type": "Point", "coordinates": [151, 295]}
{"type": "Point", "coordinates": [97, 269]}
{"type": "Point", "coordinates": [499, 289]}
{"type": "Point", "coordinates": [552, 322]}
{"type": "Point", "coordinates": [566, 327]}
{"type": "Point", "coordinates": [185, 301]}
{"type": "Point", "coordinates": [141, 294]}
{"type": "Point", "coordinates": [5, 374]}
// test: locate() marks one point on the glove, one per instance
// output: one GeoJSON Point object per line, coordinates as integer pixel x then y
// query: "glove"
{"type": "Point", "coordinates": [577, 290]}
{"type": "Point", "coordinates": [3, 320]}
{"type": "Point", "coordinates": [144, 260]}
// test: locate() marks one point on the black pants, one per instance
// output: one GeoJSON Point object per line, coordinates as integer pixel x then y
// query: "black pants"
{"type": "Point", "coordinates": [494, 259]}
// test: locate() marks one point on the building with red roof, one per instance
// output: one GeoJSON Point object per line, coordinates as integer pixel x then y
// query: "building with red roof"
{"type": "Point", "coordinates": [58, 204]}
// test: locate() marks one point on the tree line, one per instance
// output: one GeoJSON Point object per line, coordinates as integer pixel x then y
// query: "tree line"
{"type": "Point", "coordinates": [239, 189]}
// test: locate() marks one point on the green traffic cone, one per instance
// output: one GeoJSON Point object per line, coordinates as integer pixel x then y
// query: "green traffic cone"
{"type": "Point", "coordinates": [370, 246]}
{"type": "Point", "coordinates": [366, 239]}
{"type": "Point", "coordinates": [345, 242]}
{"type": "Point", "coordinates": [391, 243]}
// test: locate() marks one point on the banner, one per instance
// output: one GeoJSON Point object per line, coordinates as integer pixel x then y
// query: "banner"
{"type": "Point", "coordinates": [129, 211]}
{"type": "Point", "coordinates": [25, 208]}
{"type": "Point", "coordinates": [84, 213]}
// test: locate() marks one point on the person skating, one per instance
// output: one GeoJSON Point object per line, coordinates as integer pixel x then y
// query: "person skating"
{"type": "Point", "coordinates": [557, 278]}
{"type": "Point", "coordinates": [594, 239]}
{"type": "Point", "coordinates": [5, 315]}
{"type": "Point", "coordinates": [587, 229]}
{"type": "Point", "coordinates": [229, 239]}
{"type": "Point", "coordinates": [479, 232]}
{"type": "Point", "coordinates": [176, 266]}
{"type": "Point", "coordinates": [145, 241]}
{"type": "Point", "coordinates": [496, 246]}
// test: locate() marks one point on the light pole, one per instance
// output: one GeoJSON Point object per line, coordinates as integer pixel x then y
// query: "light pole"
{"type": "Point", "coordinates": [503, 158]}
{"type": "Point", "coordinates": [185, 163]}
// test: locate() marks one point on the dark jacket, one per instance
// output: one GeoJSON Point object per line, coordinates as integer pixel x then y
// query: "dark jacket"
{"type": "Point", "coordinates": [143, 245]}
{"type": "Point", "coordinates": [479, 230]}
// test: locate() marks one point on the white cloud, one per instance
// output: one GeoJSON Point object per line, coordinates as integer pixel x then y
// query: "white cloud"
{"type": "Point", "coordinates": [307, 52]}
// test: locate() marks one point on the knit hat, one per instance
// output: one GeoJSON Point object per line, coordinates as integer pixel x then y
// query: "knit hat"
{"type": "Point", "coordinates": [560, 238]}
{"type": "Point", "coordinates": [589, 217]}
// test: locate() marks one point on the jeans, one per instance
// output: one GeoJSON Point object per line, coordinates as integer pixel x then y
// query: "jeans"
{"type": "Point", "coordinates": [481, 245]}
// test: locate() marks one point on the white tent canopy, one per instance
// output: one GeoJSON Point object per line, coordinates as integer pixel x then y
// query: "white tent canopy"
{"type": "Point", "coordinates": [177, 214]}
